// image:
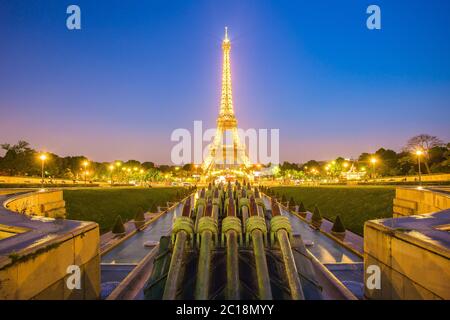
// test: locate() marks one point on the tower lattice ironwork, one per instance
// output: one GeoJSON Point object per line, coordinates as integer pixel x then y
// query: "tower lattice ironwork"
{"type": "Point", "coordinates": [222, 155]}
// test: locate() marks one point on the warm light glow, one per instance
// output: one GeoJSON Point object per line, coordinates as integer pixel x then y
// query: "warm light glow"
{"type": "Point", "coordinates": [118, 163]}
{"type": "Point", "coordinates": [111, 167]}
{"type": "Point", "coordinates": [128, 169]}
{"type": "Point", "coordinates": [141, 171]}
{"type": "Point", "coordinates": [345, 164]}
{"type": "Point", "coordinates": [43, 157]}
{"type": "Point", "coordinates": [135, 168]}
{"type": "Point", "coordinates": [85, 163]}
{"type": "Point", "coordinates": [419, 152]}
{"type": "Point", "coordinates": [373, 160]}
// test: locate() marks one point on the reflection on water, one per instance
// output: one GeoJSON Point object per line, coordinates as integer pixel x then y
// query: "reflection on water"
{"type": "Point", "coordinates": [132, 250]}
{"type": "Point", "coordinates": [324, 249]}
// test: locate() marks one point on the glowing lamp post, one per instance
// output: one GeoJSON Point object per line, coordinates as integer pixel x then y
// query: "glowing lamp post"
{"type": "Point", "coordinates": [42, 157]}
{"type": "Point", "coordinates": [373, 161]}
{"type": "Point", "coordinates": [419, 153]}
{"type": "Point", "coordinates": [111, 169]}
{"type": "Point", "coordinates": [85, 164]}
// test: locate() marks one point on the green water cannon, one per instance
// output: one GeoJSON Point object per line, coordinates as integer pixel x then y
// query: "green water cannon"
{"type": "Point", "coordinates": [256, 231]}
{"type": "Point", "coordinates": [208, 223]}
{"type": "Point", "coordinates": [231, 236]}
{"type": "Point", "coordinates": [182, 232]}
{"type": "Point", "coordinates": [280, 235]}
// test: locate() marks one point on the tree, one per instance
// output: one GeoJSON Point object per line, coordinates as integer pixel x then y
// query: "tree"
{"type": "Point", "coordinates": [19, 159]}
{"type": "Point", "coordinates": [316, 218]}
{"type": "Point", "coordinates": [164, 168]}
{"type": "Point", "coordinates": [301, 207]}
{"type": "Point", "coordinates": [118, 227]}
{"type": "Point", "coordinates": [423, 142]}
{"type": "Point", "coordinates": [364, 157]}
{"type": "Point", "coordinates": [139, 218]}
{"type": "Point", "coordinates": [148, 165]}
{"type": "Point", "coordinates": [338, 225]}
{"type": "Point", "coordinates": [388, 164]}
{"type": "Point", "coordinates": [132, 164]}
{"type": "Point", "coordinates": [310, 164]}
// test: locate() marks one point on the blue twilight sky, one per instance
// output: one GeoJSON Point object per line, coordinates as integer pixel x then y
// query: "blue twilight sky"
{"type": "Point", "coordinates": [139, 69]}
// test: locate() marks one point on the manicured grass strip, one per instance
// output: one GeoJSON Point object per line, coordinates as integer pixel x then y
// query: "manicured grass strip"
{"type": "Point", "coordinates": [355, 205]}
{"type": "Point", "coordinates": [104, 205]}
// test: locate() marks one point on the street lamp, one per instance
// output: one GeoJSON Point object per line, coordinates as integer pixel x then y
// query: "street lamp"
{"type": "Point", "coordinates": [373, 161]}
{"type": "Point", "coordinates": [85, 164]}
{"type": "Point", "coordinates": [111, 168]}
{"type": "Point", "coordinates": [418, 154]}
{"type": "Point", "coordinates": [43, 157]}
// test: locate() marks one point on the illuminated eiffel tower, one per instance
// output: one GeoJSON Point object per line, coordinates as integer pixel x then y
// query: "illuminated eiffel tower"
{"type": "Point", "coordinates": [226, 154]}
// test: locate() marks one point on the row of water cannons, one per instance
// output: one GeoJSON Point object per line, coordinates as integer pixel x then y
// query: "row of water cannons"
{"type": "Point", "coordinates": [230, 217]}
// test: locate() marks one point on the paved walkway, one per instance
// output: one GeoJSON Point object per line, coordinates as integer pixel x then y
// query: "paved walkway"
{"type": "Point", "coordinates": [109, 239]}
{"type": "Point", "coordinates": [352, 240]}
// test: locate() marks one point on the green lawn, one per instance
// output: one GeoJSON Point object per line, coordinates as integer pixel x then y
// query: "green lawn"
{"type": "Point", "coordinates": [104, 205]}
{"type": "Point", "coordinates": [355, 204]}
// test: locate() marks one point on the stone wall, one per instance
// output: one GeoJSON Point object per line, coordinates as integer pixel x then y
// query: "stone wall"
{"type": "Point", "coordinates": [411, 201]}
{"type": "Point", "coordinates": [410, 267]}
{"type": "Point", "coordinates": [43, 274]}
{"type": "Point", "coordinates": [36, 264]}
{"type": "Point", "coordinates": [434, 177]}
{"type": "Point", "coordinates": [412, 249]}
{"type": "Point", "coordinates": [43, 203]}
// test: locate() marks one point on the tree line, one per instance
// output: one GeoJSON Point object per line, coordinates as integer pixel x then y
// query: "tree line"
{"type": "Point", "coordinates": [434, 159]}
{"type": "Point", "coordinates": [21, 159]}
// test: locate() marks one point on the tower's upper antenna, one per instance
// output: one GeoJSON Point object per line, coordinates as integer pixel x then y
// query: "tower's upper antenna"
{"type": "Point", "coordinates": [226, 33]}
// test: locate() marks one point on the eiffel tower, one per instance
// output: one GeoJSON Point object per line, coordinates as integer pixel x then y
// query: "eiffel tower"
{"type": "Point", "coordinates": [225, 155]}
